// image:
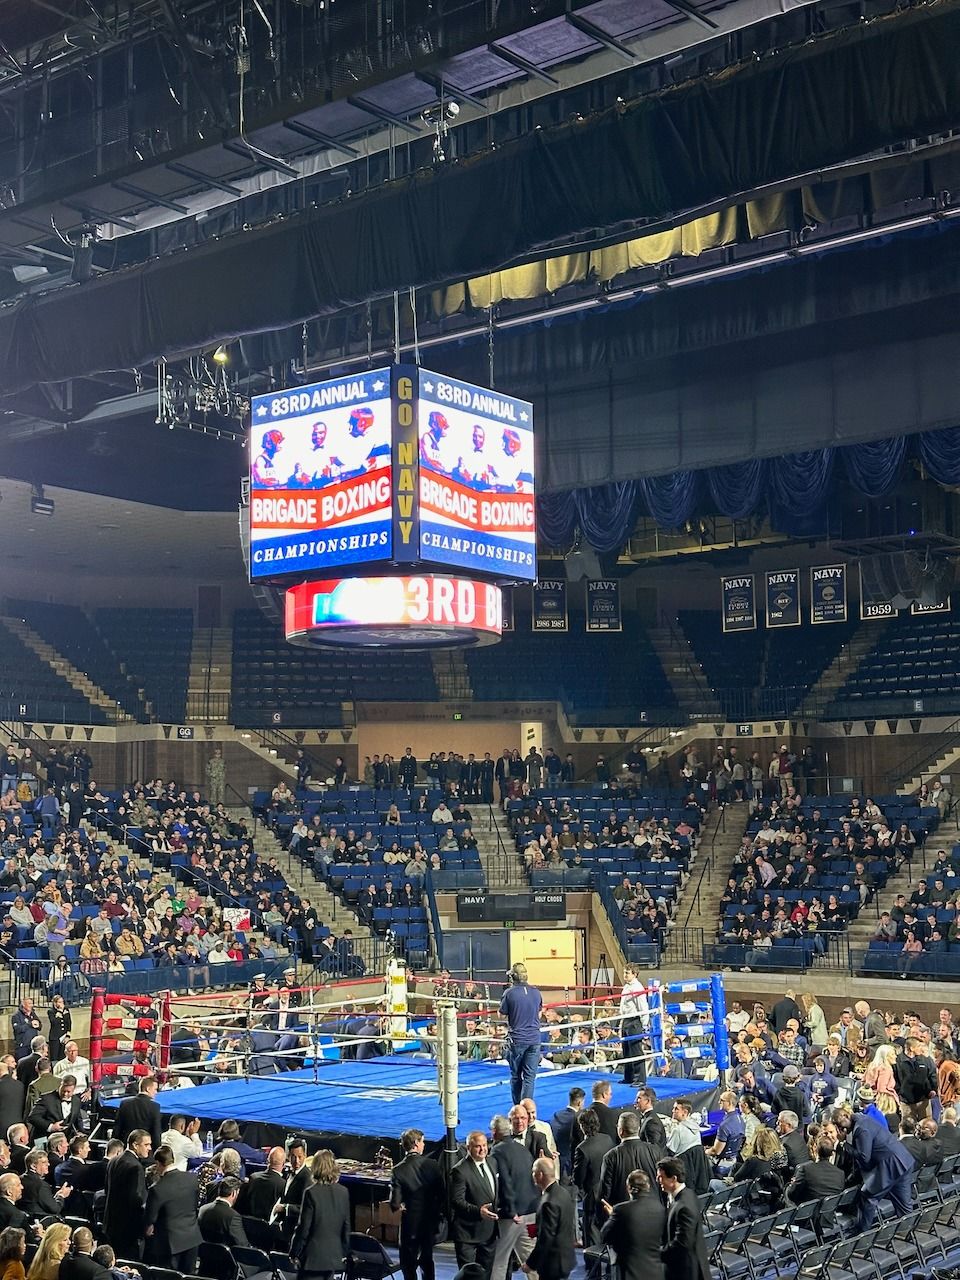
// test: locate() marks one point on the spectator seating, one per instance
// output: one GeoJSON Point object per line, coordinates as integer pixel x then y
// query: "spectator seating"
{"type": "Point", "coordinates": [69, 630]}
{"type": "Point", "coordinates": [155, 647]}
{"type": "Point", "coordinates": [915, 657]}
{"type": "Point", "coordinates": [363, 811]}
{"type": "Point", "coordinates": [270, 674]}
{"type": "Point", "coordinates": [605, 678]}
{"type": "Point", "coordinates": [27, 679]}
{"type": "Point", "coordinates": [826, 875]}
{"type": "Point", "coordinates": [762, 672]}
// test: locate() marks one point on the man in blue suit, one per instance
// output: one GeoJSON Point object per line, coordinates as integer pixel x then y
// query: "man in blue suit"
{"type": "Point", "coordinates": [885, 1165]}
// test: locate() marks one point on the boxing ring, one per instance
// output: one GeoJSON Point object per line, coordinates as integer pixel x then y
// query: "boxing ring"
{"type": "Point", "coordinates": [358, 1107]}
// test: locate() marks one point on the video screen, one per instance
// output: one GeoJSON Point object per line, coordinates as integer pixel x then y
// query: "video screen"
{"type": "Point", "coordinates": [477, 496]}
{"type": "Point", "coordinates": [320, 475]}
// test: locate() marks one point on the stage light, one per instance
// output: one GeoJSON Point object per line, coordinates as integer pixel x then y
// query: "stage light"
{"type": "Point", "coordinates": [222, 354]}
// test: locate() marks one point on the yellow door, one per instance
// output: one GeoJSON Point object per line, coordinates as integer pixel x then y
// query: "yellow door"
{"type": "Point", "coordinates": [552, 956]}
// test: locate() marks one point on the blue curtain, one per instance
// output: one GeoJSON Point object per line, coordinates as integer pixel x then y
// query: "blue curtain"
{"type": "Point", "coordinates": [795, 489]}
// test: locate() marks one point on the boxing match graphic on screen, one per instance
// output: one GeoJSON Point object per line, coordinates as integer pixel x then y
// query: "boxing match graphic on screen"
{"type": "Point", "coordinates": [476, 493]}
{"type": "Point", "coordinates": [320, 475]}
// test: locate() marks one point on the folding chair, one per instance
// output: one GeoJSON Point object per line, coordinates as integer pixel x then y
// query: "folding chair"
{"type": "Point", "coordinates": [730, 1254]}
{"type": "Point", "coordinates": [254, 1264]}
{"type": "Point", "coordinates": [284, 1267]}
{"type": "Point", "coordinates": [814, 1265]}
{"type": "Point", "coordinates": [927, 1185]}
{"type": "Point", "coordinates": [802, 1235]}
{"type": "Point", "coordinates": [846, 1259]}
{"type": "Point", "coordinates": [887, 1259]}
{"type": "Point", "coordinates": [217, 1261]}
{"type": "Point", "coordinates": [368, 1259]}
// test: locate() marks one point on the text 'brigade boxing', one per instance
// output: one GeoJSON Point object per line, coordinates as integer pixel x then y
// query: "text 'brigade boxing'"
{"type": "Point", "coordinates": [477, 490]}
{"type": "Point", "coordinates": [321, 462]}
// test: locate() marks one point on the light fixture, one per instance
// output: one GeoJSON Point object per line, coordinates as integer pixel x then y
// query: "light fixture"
{"type": "Point", "coordinates": [39, 504]}
{"type": "Point", "coordinates": [222, 354]}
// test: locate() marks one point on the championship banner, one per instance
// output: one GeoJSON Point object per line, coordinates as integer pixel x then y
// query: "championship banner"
{"type": "Point", "coordinates": [874, 610]}
{"type": "Point", "coordinates": [828, 593]}
{"type": "Point", "coordinates": [917, 609]}
{"type": "Point", "coordinates": [603, 605]}
{"type": "Point", "coordinates": [507, 609]}
{"type": "Point", "coordinates": [549, 605]}
{"type": "Point", "coordinates": [783, 598]}
{"type": "Point", "coordinates": [739, 603]}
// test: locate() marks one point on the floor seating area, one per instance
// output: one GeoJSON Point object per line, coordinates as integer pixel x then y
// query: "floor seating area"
{"type": "Point", "coordinates": [155, 647]}
{"type": "Point", "coordinates": [604, 678]}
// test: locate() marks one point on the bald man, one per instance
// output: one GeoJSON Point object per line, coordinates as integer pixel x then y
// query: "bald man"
{"type": "Point", "coordinates": [264, 1189]}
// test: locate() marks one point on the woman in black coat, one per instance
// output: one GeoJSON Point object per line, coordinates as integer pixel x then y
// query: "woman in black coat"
{"type": "Point", "coordinates": [321, 1241]}
{"type": "Point", "coordinates": [61, 1027]}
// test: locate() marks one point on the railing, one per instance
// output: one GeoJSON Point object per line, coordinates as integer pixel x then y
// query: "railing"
{"type": "Point", "coordinates": [915, 763]}
{"type": "Point", "coordinates": [208, 705]}
{"type": "Point", "coordinates": [684, 946]}
{"type": "Point", "coordinates": [431, 896]}
{"type": "Point", "coordinates": [941, 966]}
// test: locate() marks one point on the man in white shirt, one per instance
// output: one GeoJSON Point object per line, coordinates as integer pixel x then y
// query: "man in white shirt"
{"type": "Point", "coordinates": [737, 1018]}
{"type": "Point", "coordinates": [73, 1065]}
{"type": "Point", "coordinates": [183, 1139]}
{"type": "Point", "coordinates": [634, 1019]}
{"type": "Point", "coordinates": [442, 813]}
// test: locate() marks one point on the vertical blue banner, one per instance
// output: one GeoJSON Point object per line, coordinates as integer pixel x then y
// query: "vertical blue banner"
{"type": "Point", "coordinates": [738, 596]}
{"type": "Point", "coordinates": [783, 597]}
{"type": "Point", "coordinates": [828, 593]}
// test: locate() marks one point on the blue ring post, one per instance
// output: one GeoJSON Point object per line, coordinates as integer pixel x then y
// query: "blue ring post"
{"type": "Point", "coordinates": [721, 1036]}
{"type": "Point", "coordinates": [655, 1005]}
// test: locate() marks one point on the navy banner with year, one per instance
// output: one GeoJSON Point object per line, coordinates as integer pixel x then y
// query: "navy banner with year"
{"type": "Point", "coordinates": [550, 605]}
{"type": "Point", "coordinates": [918, 609]}
{"type": "Point", "coordinates": [828, 593]}
{"type": "Point", "coordinates": [739, 602]}
{"type": "Point", "coordinates": [783, 598]}
{"type": "Point", "coordinates": [603, 605]}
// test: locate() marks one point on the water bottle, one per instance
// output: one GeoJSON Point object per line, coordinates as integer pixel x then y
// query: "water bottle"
{"type": "Point", "coordinates": [208, 1143]}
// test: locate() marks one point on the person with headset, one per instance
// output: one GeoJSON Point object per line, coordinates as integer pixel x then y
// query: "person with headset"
{"type": "Point", "coordinates": [521, 1005]}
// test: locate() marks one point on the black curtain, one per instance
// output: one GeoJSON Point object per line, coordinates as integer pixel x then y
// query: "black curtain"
{"type": "Point", "coordinates": [826, 101]}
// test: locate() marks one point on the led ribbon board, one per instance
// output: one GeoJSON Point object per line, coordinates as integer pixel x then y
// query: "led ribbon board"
{"type": "Point", "coordinates": [416, 611]}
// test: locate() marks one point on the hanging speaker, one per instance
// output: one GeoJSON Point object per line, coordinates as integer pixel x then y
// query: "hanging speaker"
{"type": "Point", "coordinates": [903, 578]}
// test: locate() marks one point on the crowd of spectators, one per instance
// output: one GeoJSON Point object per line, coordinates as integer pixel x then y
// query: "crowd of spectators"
{"type": "Point", "coordinates": [185, 891]}
{"type": "Point", "coordinates": [807, 866]}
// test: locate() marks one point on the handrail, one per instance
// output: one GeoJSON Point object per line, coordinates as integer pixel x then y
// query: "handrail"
{"type": "Point", "coordinates": [682, 643]}
{"type": "Point", "coordinates": [908, 767]}
{"type": "Point", "coordinates": [432, 908]}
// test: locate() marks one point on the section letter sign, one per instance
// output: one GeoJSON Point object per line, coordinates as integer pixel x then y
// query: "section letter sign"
{"type": "Point", "coordinates": [739, 602]}
{"type": "Point", "coordinates": [320, 478]}
{"type": "Point", "coordinates": [550, 605]}
{"type": "Point", "coordinates": [603, 605]}
{"type": "Point", "coordinates": [477, 506]}
{"type": "Point", "coordinates": [783, 597]}
{"type": "Point", "coordinates": [828, 593]}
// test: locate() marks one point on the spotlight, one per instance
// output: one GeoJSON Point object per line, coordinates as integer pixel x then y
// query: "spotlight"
{"type": "Point", "coordinates": [82, 267]}
{"type": "Point", "coordinates": [222, 354]}
{"type": "Point", "coordinates": [40, 505]}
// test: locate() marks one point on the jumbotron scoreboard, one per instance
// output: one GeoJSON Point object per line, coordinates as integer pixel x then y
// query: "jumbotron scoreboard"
{"type": "Point", "coordinates": [394, 503]}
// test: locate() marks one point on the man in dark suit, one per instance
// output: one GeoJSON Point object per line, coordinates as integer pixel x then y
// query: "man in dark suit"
{"type": "Point", "coordinates": [921, 1141]}
{"type": "Point", "coordinates": [791, 1137]}
{"type": "Point", "coordinates": [587, 1166]}
{"type": "Point", "coordinates": [27, 1065]}
{"type": "Point", "coordinates": [296, 1182]}
{"type": "Point", "coordinates": [517, 1196]}
{"type": "Point", "coordinates": [18, 1139]}
{"type": "Point", "coordinates": [417, 1190]}
{"type": "Point", "coordinates": [58, 1112]}
{"type": "Point", "coordinates": [651, 1125]}
{"type": "Point", "coordinates": [948, 1133]}
{"type": "Point", "coordinates": [263, 1189]}
{"type": "Point", "coordinates": [816, 1179]}
{"type": "Point", "coordinates": [39, 1200]}
{"type": "Point", "coordinates": [684, 1250]}
{"type": "Point", "coordinates": [631, 1153]}
{"type": "Point", "coordinates": [84, 1175]}
{"type": "Point", "coordinates": [139, 1112]}
{"type": "Point", "coordinates": [525, 1133]}
{"type": "Point", "coordinates": [126, 1197]}
{"type": "Point", "coordinates": [12, 1097]}
{"type": "Point", "coordinates": [602, 1092]}
{"type": "Point", "coordinates": [219, 1221]}
{"type": "Point", "coordinates": [554, 1255]}
{"type": "Point", "coordinates": [635, 1230]}
{"type": "Point", "coordinates": [11, 1189]}
{"type": "Point", "coordinates": [170, 1221]}
{"type": "Point", "coordinates": [473, 1200]}
{"type": "Point", "coordinates": [25, 1025]}
{"type": "Point", "coordinates": [79, 1264]}
{"type": "Point", "coordinates": [562, 1126]}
